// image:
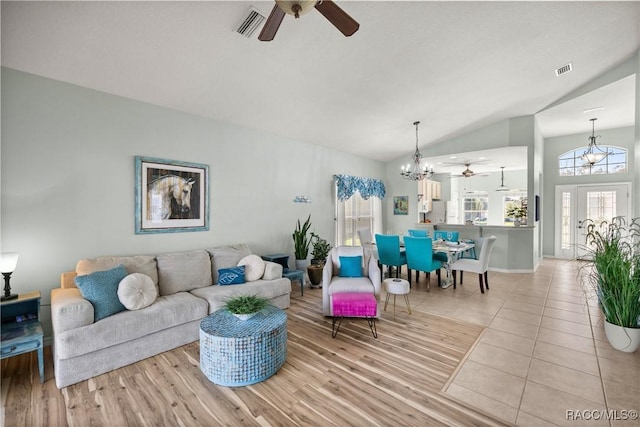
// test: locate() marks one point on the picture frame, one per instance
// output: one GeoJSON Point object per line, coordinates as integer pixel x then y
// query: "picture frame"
{"type": "Point", "coordinates": [171, 196]}
{"type": "Point", "coordinates": [401, 205]}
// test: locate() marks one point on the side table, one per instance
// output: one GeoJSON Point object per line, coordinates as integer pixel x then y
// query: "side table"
{"type": "Point", "coordinates": [283, 260]}
{"type": "Point", "coordinates": [21, 329]}
{"type": "Point", "coordinates": [236, 352]}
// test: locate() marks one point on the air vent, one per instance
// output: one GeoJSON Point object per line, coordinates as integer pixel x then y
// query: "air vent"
{"type": "Point", "coordinates": [564, 69]}
{"type": "Point", "coordinates": [251, 22]}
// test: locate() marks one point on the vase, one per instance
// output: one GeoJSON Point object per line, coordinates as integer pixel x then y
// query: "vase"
{"type": "Point", "coordinates": [516, 222]}
{"type": "Point", "coordinates": [315, 275]}
{"type": "Point", "coordinates": [244, 316]}
{"type": "Point", "coordinates": [621, 338]}
{"type": "Point", "coordinates": [301, 264]}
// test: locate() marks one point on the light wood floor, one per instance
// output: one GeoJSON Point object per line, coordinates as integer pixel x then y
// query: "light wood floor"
{"type": "Point", "coordinates": [353, 379]}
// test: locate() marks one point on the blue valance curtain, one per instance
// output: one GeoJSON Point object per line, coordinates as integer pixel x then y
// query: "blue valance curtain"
{"type": "Point", "coordinates": [347, 185]}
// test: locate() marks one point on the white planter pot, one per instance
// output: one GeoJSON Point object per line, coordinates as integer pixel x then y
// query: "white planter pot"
{"type": "Point", "coordinates": [245, 316]}
{"type": "Point", "coordinates": [302, 264]}
{"type": "Point", "coordinates": [623, 339]}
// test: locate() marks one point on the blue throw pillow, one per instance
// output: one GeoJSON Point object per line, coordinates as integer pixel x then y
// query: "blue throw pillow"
{"type": "Point", "coordinates": [351, 266]}
{"type": "Point", "coordinates": [100, 288]}
{"type": "Point", "coordinates": [231, 276]}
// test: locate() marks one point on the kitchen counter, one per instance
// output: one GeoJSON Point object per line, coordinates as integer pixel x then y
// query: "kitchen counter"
{"type": "Point", "coordinates": [514, 250]}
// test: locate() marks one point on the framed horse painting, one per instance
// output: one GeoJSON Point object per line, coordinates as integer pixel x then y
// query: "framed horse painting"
{"type": "Point", "coordinates": [171, 196]}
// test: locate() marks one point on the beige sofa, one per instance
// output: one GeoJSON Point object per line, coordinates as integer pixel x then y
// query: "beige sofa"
{"type": "Point", "coordinates": [83, 348]}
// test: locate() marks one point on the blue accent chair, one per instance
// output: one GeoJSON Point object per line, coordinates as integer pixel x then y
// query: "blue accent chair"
{"type": "Point", "coordinates": [418, 233]}
{"type": "Point", "coordinates": [420, 258]}
{"type": "Point", "coordinates": [389, 252]}
{"type": "Point", "coordinates": [449, 236]}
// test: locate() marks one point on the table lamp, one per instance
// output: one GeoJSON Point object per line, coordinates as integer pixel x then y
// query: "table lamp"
{"type": "Point", "coordinates": [8, 261]}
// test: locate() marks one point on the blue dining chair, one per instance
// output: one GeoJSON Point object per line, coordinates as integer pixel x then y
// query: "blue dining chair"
{"type": "Point", "coordinates": [418, 233]}
{"type": "Point", "coordinates": [449, 236]}
{"type": "Point", "coordinates": [389, 252]}
{"type": "Point", "coordinates": [420, 258]}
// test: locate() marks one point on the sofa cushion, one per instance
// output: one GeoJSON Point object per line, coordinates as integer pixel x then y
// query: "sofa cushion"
{"type": "Point", "coordinates": [231, 276]}
{"type": "Point", "coordinates": [165, 313]}
{"type": "Point", "coordinates": [272, 270]}
{"type": "Point", "coordinates": [137, 291]}
{"type": "Point", "coordinates": [226, 256]}
{"type": "Point", "coordinates": [134, 264]}
{"type": "Point", "coordinates": [350, 284]}
{"type": "Point", "coordinates": [253, 267]}
{"type": "Point", "coordinates": [100, 288]}
{"type": "Point", "coordinates": [217, 296]}
{"type": "Point", "coordinates": [183, 271]}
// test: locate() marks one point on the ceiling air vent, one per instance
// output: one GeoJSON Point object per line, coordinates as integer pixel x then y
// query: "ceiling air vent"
{"type": "Point", "coordinates": [564, 69]}
{"type": "Point", "coordinates": [250, 22]}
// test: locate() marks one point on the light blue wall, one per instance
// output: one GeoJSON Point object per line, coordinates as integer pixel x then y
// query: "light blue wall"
{"type": "Point", "coordinates": [67, 179]}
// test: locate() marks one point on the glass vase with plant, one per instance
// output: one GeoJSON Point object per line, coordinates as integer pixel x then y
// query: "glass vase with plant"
{"type": "Point", "coordinates": [613, 272]}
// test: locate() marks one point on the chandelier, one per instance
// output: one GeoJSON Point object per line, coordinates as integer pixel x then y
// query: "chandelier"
{"type": "Point", "coordinates": [594, 154]}
{"type": "Point", "coordinates": [416, 172]}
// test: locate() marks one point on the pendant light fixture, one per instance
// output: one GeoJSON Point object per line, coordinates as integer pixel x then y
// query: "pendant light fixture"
{"type": "Point", "coordinates": [416, 172]}
{"type": "Point", "coordinates": [594, 154]}
{"type": "Point", "coordinates": [502, 186]}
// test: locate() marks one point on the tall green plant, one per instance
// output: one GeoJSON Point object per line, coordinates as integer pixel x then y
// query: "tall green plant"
{"type": "Point", "coordinates": [301, 239]}
{"type": "Point", "coordinates": [614, 269]}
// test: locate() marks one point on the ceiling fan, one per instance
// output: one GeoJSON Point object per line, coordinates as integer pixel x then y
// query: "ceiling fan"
{"type": "Point", "coordinates": [338, 17]}
{"type": "Point", "coordinates": [467, 173]}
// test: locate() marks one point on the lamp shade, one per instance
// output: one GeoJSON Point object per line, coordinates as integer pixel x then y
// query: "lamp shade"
{"type": "Point", "coordinates": [8, 262]}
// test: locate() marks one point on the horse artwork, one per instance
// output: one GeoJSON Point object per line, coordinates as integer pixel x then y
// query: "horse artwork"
{"type": "Point", "coordinates": [169, 197]}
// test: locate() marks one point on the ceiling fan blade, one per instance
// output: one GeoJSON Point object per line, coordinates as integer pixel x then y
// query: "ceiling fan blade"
{"type": "Point", "coordinates": [338, 17]}
{"type": "Point", "coordinates": [271, 26]}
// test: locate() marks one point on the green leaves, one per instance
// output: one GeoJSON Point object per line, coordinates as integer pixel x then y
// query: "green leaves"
{"type": "Point", "coordinates": [301, 241]}
{"type": "Point", "coordinates": [246, 304]}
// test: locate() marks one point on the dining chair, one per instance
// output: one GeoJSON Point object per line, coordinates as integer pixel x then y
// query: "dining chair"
{"type": "Point", "coordinates": [389, 252]}
{"type": "Point", "coordinates": [364, 234]}
{"type": "Point", "coordinates": [418, 233]}
{"type": "Point", "coordinates": [479, 266]}
{"type": "Point", "coordinates": [420, 258]}
{"type": "Point", "coordinates": [449, 236]}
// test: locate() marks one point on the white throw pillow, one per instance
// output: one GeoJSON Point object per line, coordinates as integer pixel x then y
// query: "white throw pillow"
{"type": "Point", "coordinates": [137, 291]}
{"type": "Point", "coordinates": [253, 267]}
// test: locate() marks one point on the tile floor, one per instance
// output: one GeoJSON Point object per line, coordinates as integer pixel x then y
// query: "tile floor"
{"type": "Point", "coordinates": [543, 358]}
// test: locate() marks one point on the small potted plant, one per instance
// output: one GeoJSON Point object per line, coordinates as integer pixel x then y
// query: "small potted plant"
{"type": "Point", "coordinates": [613, 271]}
{"type": "Point", "coordinates": [319, 254]}
{"type": "Point", "coordinates": [518, 213]}
{"type": "Point", "coordinates": [245, 306]}
{"type": "Point", "coordinates": [301, 242]}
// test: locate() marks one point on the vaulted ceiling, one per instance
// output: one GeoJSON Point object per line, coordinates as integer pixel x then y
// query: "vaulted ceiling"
{"type": "Point", "coordinates": [455, 66]}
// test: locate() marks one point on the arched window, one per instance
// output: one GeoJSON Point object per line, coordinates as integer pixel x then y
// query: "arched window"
{"type": "Point", "coordinates": [572, 164]}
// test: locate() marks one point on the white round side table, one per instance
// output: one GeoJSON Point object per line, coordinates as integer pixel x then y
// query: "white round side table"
{"type": "Point", "coordinates": [396, 287]}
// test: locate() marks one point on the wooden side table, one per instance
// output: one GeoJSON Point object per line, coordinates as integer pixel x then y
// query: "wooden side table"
{"type": "Point", "coordinates": [21, 328]}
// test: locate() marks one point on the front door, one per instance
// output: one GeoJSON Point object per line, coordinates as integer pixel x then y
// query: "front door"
{"type": "Point", "coordinates": [575, 204]}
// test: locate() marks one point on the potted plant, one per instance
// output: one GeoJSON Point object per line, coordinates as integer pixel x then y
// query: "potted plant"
{"type": "Point", "coordinates": [245, 306]}
{"type": "Point", "coordinates": [319, 254]}
{"type": "Point", "coordinates": [613, 271]}
{"type": "Point", "coordinates": [517, 213]}
{"type": "Point", "coordinates": [301, 242]}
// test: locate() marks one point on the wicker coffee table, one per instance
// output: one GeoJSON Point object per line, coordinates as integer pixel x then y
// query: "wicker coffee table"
{"type": "Point", "coordinates": [236, 352]}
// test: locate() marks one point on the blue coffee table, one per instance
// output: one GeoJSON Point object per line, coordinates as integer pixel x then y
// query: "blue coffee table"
{"type": "Point", "coordinates": [236, 352]}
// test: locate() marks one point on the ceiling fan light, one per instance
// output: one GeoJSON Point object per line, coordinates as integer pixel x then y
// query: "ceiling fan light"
{"type": "Point", "coordinates": [296, 7]}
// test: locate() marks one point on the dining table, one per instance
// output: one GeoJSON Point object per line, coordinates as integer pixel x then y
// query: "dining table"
{"type": "Point", "coordinates": [454, 251]}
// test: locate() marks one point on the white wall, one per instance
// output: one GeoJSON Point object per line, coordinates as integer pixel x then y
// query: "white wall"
{"type": "Point", "coordinates": [68, 179]}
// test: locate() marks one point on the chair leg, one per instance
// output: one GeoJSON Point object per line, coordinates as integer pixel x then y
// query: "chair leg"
{"type": "Point", "coordinates": [461, 273]}
{"type": "Point", "coordinates": [481, 286]}
{"type": "Point", "coordinates": [439, 278]}
{"type": "Point", "coordinates": [386, 301]}
{"type": "Point", "coordinates": [486, 280]}
{"type": "Point", "coordinates": [428, 281]}
{"type": "Point", "coordinates": [409, 275]}
{"type": "Point", "coordinates": [417, 276]}
{"type": "Point", "coordinates": [406, 299]}
{"type": "Point", "coordinates": [453, 272]}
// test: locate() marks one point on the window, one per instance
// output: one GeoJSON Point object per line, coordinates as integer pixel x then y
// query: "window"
{"type": "Point", "coordinates": [355, 214]}
{"type": "Point", "coordinates": [512, 200]}
{"type": "Point", "coordinates": [565, 233]}
{"type": "Point", "coordinates": [571, 163]}
{"type": "Point", "coordinates": [475, 208]}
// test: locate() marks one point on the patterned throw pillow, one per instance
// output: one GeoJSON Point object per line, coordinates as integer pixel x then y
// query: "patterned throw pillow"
{"type": "Point", "coordinates": [100, 288]}
{"type": "Point", "coordinates": [350, 266]}
{"type": "Point", "coordinates": [231, 276]}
